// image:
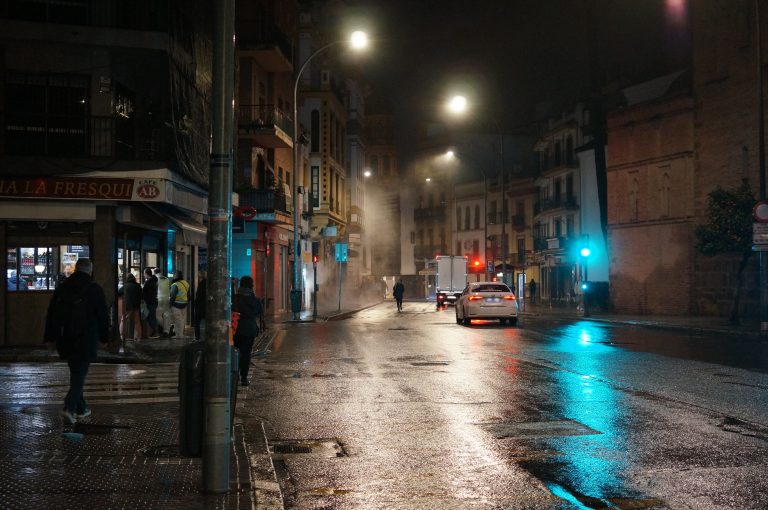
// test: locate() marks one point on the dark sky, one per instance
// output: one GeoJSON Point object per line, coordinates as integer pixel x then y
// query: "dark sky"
{"type": "Point", "coordinates": [509, 55]}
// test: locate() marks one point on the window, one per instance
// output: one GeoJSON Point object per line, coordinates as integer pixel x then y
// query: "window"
{"type": "Point", "coordinates": [665, 203]}
{"type": "Point", "coordinates": [569, 225]}
{"type": "Point", "coordinates": [458, 218]}
{"type": "Point", "coordinates": [41, 267]}
{"type": "Point", "coordinates": [633, 198]}
{"type": "Point", "coordinates": [421, 237]}
{"type": "Point", "coordinates": [476, 249]}
{"type": "Point", "coordinates": [47, 114]}
{"type": "Point", "coordinates": [521, 250]}
{"type": "Point", "coordinates": [569, 155]}
{"type": "Point", "coordinates": [466, 218]}
{"type": "Point", "coordinates": [315, 201]}
{"type": "Point", "coordinates": [458, 248]}
{"type": "Point", "coordinates": [374, 164]}
{"type": "Point", "coordinates": [314, 145]}
{"type": "Point", "coordinates": [558, 224]}
{"type": "Point", "coordinates": [477, 217]}
{"type": "Point", "coordinates": [413, 237]}
{"type": "Point", "coordinates": [385, 170]}
{"type": "Point", "coordinates": [558, 153]}
{"type": "Point", "coordinates": [569, 187]}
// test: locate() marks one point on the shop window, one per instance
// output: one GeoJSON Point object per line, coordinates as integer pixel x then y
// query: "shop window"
{"type": "Point", "coordinates": [41, 267]}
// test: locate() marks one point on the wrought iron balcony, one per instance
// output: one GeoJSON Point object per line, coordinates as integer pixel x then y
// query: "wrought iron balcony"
{"type": "Point", "coordinates": [266, 125]}
{"type": "Point", "coordinates": [564, 202]}
{"type": "Point", "coordinates": [266, 43]}
{"type": "Point", "coordinates": [265, 201]}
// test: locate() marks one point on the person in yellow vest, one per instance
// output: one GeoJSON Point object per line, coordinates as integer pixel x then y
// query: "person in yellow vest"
{"type": "Point", "coordinates": [179, 303]}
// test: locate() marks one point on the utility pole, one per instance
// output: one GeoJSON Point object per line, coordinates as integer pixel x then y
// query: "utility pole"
{"type": "Point", "coordinates": [763, 257]}
{"type": "Point", "coordinates": [217, 392]}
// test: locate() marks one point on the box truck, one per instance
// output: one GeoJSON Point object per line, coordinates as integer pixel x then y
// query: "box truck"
{"type": "Point", "coordinates": [450, 278]}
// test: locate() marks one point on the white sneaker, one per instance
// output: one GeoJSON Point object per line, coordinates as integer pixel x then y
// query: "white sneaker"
{"type": "Point", "coordinates": [84, 414]}
{"type": "Point", "coordinates": [67, 417]}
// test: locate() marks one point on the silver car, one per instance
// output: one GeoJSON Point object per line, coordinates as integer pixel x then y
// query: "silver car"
{"type": "Point", "coordinates": [486, 300]}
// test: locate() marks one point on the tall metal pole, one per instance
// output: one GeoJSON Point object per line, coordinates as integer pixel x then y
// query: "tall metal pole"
{"type": "Point", "coordinates": [762, 256]}
{"type": "Point", "coordinates": [505, 244]}
{"type": "Point", "coordinates": [216, 439]}
{"type": "Point", "coordinates": [296, 253]}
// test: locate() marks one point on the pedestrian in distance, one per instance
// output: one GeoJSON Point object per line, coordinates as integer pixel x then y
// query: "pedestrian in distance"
{"type": "Point", "coordinates": [130, 322]}
{"type": "Point", "coordinates": [250, 309]}
{"type": "Point", "coordinates": [179, 300]}
{"type": "Point", "coordinates": [77, 321]}
{"type": "Point", "coordinates": [532, 290]}
{"type": "Point", "coordinates": [163, 302]}
{"type": "Point", "coordinates": [149, 295]}
{"type": "Point", "coordinates": [397, 291]}
{"type": "Point", "coordinates": [199, 304]}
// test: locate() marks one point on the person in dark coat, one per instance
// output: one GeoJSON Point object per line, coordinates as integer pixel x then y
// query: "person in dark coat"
{"type": "Point", "coordinates": [199, 304]}
{"type": "Point", "coordinates": [79, 353]}
{"type": "Point", "coordinates": [149, 295]}
{"type": "Point", "coordinates": [131, 293]}
{"type": "Point", "coordinates": [250, 309]}
{"type": "Point", "coordinates": [397, 291]}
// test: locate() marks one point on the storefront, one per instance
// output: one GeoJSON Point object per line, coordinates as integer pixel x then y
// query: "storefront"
{"type": "Point", "coordinates": [123, 222]}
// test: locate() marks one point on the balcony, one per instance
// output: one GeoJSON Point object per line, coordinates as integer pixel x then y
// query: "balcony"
{"type": "Point", "coordinates": [266, 125]}
{"type": "Point", "coordinates": [266, 43]}
{"type": "Point", "coordinates": [429, 213]}
{"type": "Point", "coordinates": [428, 251]}
{"type": "Point", "coordinates": [550, 243]}
{"type": "Point", "coordinates": [518, 222]}
{"type": "Point", "coordinates": [549, 204]}
{"type": "Point", "coordinates": [271, 206]}
{"type": "Point", "coordinates": [82, 137]}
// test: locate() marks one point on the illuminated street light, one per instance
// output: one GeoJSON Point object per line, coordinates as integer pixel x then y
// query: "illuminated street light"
{"type": "Point", "coordinates": [358, 40]}
{"type": "Point", "coordinates": [458, 105]}
{"type": "Point", "coordinates": [367, 173]}
{"type": "Point", "coordinates": [450, 154]}
{"type": "Point", "coordinates": [586, 252]}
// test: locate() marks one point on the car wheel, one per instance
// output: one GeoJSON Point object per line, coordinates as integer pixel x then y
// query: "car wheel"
{"type": "Point", "coordinates": [513, 321]}
{"type": "Point", "coordinates": [502, 321]}
{"type": "Point", "coordinates": [458, 320]}
{"type": "Point", "coordinates": [465, 320]}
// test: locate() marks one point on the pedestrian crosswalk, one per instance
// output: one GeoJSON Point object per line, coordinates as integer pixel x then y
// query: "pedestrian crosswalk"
{"type": "Point", "coordinates": [46, 384]}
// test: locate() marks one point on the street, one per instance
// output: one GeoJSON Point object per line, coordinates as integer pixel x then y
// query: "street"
{"type": "Point", "coordinates": [410, 410]}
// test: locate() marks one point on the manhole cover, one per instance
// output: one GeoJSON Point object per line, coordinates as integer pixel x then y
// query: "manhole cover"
{"type": "Point", "coordinates": [430, 363]}
{"type": "Point", "coordinates": [538, 429]}
{"type": "Point", "coordinates": [308, 447]}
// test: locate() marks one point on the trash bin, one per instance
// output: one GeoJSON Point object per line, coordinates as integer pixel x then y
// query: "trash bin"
{"type": "Point", "coordinates": [191, 393]}
{"type": "Point", "coordinates": [295, 301]}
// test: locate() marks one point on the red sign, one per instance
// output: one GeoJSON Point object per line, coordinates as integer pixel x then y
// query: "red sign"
{"type": "Point", "coordinates": [67, 187]}
{"type": "Point", "coordinates": [246, 213]}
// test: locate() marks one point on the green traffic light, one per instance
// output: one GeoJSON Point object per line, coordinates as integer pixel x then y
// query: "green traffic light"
{"type": "Point", "coordinates": [586, 252]}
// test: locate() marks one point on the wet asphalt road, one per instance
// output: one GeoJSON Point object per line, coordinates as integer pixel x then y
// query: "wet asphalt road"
{"type": "Point", "coordinates": [411, 410]}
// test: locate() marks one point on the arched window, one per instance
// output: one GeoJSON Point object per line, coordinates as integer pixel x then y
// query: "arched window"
{"type": "Point", "coordinates": [458, 218]}
{"type": "Point", "coordinates": [558, 153]}
{"type": "Point", "coordinates": [466, 218]}
{"type": "Point", "coordinates": [477, 217]}
{"type": "Point", "coordinates": [569, 156]}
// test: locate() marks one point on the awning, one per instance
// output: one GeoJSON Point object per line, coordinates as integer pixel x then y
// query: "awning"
{"type": "Point", "coordinates": [193, 232]}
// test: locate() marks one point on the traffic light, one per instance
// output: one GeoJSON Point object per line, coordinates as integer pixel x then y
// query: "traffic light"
{"type": "Point", "coordinates": [314, 259]}
{"type": "Point", "coordinates": [586, 252]}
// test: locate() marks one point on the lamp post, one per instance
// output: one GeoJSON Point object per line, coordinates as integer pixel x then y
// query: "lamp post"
{"type": "Point", "coordinates": [763, 259]}
{"type": "Point", "coordinates": [358, 40]}
{"type": "Point", "coordinates": [458, 105]}
{"type": "Point", "coordinates": [585, 253]}
{"type": "Point", "coordinates": [485, 215]}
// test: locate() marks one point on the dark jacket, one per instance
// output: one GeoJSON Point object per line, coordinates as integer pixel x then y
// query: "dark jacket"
{"type": "Point", "coordinates": [249, 307]}
{"type": "Point", "coordinates": [398, 290]}
{"type": "Point", "coordinates": [200, 296]}
{"type": "Point", "coordinates": [97, 329]}
{"type": "Point", "coordinates": [131, 293]}
{"type": "Point", "coordinates": [149, 291]}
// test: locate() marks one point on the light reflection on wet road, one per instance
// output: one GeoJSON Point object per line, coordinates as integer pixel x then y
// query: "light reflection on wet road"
{"type": "Point", "coordinates": [548, 415]}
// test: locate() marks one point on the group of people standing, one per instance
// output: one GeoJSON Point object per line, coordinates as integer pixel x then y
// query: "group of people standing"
{"type": "Point", "coordinates": [159, 308]}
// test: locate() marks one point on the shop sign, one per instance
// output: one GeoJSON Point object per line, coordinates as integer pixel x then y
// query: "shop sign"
{"type": "Point", "coordinates": [67, 187]}
{"type": "Point", "coordinates": [147, 189]}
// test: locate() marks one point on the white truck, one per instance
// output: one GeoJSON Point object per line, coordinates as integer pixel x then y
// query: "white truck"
{"type": "Point", "coordinates": [450, 278]}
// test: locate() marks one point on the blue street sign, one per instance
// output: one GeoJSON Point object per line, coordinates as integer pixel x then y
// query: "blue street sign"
{"type": "Point", "coordinates": [341, 252]}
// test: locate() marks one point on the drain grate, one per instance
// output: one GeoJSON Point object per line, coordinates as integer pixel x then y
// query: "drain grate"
{"type": "Point", "coordinates": [536, 429]}
{"type": "Point", "coordinates": [292, 448]}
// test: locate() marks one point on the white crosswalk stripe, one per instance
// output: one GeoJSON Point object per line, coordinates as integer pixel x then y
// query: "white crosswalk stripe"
{"type": "Point", "coordinates": [44, 384]}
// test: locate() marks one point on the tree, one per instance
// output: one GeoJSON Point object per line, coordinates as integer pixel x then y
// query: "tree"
{"type": "Point", "coordinates": [729, 230]}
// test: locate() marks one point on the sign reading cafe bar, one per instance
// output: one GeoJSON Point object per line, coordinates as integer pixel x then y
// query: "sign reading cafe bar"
{"type": "Point", "coordinates": [82, 188]}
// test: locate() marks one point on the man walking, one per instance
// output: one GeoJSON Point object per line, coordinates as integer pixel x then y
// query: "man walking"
{"type": "Point", "coordinates": [149, 295]}
{"type": "Point", "coordinates": [397, 291]}
{"type": "Point", "coordinates": [532, 289]}
{"type": "Point", "coordinates": [76, 322]}
{"type": "Point", "coordinates": [179, 300]}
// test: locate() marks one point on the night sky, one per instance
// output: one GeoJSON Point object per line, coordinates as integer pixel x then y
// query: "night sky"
{"type": "Point", "coordinates": [510, 55]}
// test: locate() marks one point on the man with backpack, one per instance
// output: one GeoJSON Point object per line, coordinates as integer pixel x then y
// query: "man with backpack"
{"type": "Point", "coordinates": [77, 321]}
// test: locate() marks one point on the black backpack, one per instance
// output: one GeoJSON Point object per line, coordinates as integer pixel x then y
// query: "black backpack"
{"type": "Point", "coordinates": [69, 320]}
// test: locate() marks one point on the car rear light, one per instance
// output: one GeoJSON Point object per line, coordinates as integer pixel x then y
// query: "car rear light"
{"type": "Point", "coordinates": [440, 298]}
{"type": "Point", "coordinates": [475, 298]}
{"type": "Point", "coordinates": [509, 298]}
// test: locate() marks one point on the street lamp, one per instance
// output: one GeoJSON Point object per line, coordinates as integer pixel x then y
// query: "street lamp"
{"type": "Point", "coordinates": [358, 41]}
{"type": "Point", "coordinates": [458, 105]}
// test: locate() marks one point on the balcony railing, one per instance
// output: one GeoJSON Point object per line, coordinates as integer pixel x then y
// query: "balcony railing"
{"type": "Point", "coordinates": [495, 218]}
{"type": "Point", "coordinates": [134, 14]}
{"type": "Point", "coordinates": [564, 202]}
{"type": "Point", "coordinates": [263, 35]}
{"type": "Point", "coordinates": [264, 200]}
{"type": "Point", "coordinates": [82, 137]}
{"type": "Point", "coordinates": [427, 251]}
{"type": "Point", "coordinates": [264, 116]}
{"type": "Point", "coordinates": [429, 213]}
